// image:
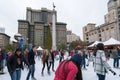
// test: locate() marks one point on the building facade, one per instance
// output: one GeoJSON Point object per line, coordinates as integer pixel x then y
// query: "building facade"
{"type": "Point", "coordinates": [33, 29]}
{"type": "Point", "coordinates": [111, 27]}
{"type": "Point", "coordinates": [36, 15]}
{"type": "Point", "coordinates": [61, 33]}
{"type": "Point", "coordinates": [72, 37]}
{"type": "Point", "coordinates": [4, 40]}
{"type": "Point", "coordinates": [2, 30]}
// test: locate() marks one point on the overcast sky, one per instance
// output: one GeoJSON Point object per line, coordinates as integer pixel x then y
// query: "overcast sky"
{"type": "Point", "coordinates": [76, 13]}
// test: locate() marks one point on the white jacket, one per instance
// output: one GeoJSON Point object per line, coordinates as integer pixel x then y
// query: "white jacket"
{"type": "Point", "coordinates": [100, 64]}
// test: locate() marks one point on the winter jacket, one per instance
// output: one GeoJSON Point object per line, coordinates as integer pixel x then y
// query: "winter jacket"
{"type": "Point", "coordinates": [71, 53]}
{"type": "Point", "coordinates": [100, 64]}
{"type": "Point", "coordinates": [45, 57]}
{"type": "Point", "coordinates": [12, 62]}
{"type": "Point", "coordinates": [2, 55]}
{"type": "Point", "coordinates": [119, 53]}
{"type": "Point", "coordinates": [31, 57]}
{"type": "Point", "coordinates": [51, 57]}
{"type": "Point", "coordinates": [114, 53]}
{"type": "Point", "coordinates": [67, 70]}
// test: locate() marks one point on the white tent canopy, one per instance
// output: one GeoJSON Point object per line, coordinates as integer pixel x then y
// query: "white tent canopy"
{"type": "Point", "coordinates": [39, 48]}
{"type": "Point", "coordinates": [112, 41]}
{"type": "Point", "coordinates": [95, 43]}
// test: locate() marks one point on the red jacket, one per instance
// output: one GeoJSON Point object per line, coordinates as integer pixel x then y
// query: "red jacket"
{"type": "Point", "coordinates": [66, 71]}
{"type": "Point", "coordinates": [71, 53]}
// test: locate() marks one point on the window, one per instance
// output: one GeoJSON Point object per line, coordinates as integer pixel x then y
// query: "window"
{"type": "Point", "coordinates": [107, 28]}
{"type": "Point", "coordinates": [85, 28]}
{"type": "Point", "coordinates": [99, 35]}
{"type": "Point", "coordinates": [87, 38]}
{"type": "Point", "coordinates": [112, 27]}
{"type": "Point", "coordinates": [108, 15]}
{"type": "Point", "coordinates": [118, 16]}
{"type": "Point", "coordinates": [118, 12]}
{"type": "Point", "coordinates": [113, 13]}
{"type": "Point", "coordinates": [86, 34]}
{"type": "Point", "coordinates": [95, 32]}
{"type": "Point", "coordinates": [100, 39]}
{"type": "Point", "coordinates": [102, 30]}
{"type": "Point", "coordinates": [99, 31]}
{"type": "Point", "coordinates": [92, 33]}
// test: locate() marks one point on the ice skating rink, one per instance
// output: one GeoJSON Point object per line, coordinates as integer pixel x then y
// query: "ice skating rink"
{"type": "Point", "coordinates": [88, 74]}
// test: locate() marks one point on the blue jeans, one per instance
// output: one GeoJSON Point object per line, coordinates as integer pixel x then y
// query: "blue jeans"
{"type": "Point", "coordinates": [15, 75]}
{"type": "Point", "coordinates": [101, 77]}
{"type": "Point", "coordinates": [84, 63]}
{"type": "Point", "coordinates": [116, 62]}
{"type": "Point", "coordinates": [31, 71]}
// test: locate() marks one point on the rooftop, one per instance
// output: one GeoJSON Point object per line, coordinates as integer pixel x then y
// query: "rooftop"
{"type": "Point", "coordinates": [111, 1]}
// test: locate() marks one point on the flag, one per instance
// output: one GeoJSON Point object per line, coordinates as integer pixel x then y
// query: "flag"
{"type": "Point", "coordinates": [21, 43]}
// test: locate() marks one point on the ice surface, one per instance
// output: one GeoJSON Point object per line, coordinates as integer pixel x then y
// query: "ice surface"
{"type": "Point", "coordinates": [88, 74]}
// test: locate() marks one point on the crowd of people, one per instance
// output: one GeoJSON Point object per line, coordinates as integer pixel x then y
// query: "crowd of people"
{"type": "Point", "coordinates": [70, 65]}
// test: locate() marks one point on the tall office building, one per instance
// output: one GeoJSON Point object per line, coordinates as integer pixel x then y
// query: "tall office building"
{"type": "Point", "coordinates": [111, 27]}
{"type": "Point", "coordinates": [72, 37]}
{"type": "Point", "coordinates": [4, 38]}
{"type": "Point", "coordinates": [43, 15]}
{"type": "Point", "coordinates": [2, 30]}
{"type": "Point", "coordinates": [33, 29]}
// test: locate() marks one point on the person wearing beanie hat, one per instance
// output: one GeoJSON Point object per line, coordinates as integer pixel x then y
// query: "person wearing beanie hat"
{"type": "Point", "coordinates": [77, 58]}
{"type": "Point", "coordinates": [69, 69]}
{"type": "Point", "coordinates": [15, 64]}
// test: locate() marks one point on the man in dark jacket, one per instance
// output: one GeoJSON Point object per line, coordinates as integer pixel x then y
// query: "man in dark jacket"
{"type": "Point", "coordinates": [31, 62]}
{"type": "Point", "coordinates": [83, 59]}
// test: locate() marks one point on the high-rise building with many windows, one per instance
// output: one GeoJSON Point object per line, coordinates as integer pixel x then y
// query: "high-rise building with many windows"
{"type": "Point", "coordinates": [72, 37]}
{"type": "Point", "coordinates": [43, 15]}
{"type": "Point", "coordinates": [111, 27]}
{"type": "Point", "coordinates": [4, 40]}
{"type": "Point", "coordinates": [2, 30]}
{"type": "Point", "coordinates": [33, 29]}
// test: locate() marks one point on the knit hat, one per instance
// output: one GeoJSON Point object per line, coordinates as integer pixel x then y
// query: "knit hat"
{"type": "Point", "coordinates": [100, 46]}
{"type": "Point", "coordinates": [77, 58]}
{"type": "Point", "coordinates": [18, 49]}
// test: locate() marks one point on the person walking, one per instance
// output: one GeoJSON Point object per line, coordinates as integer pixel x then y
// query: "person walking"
{"type": "Point", "coordinates": [83, 59]}
{"type": "Point", "coordinates": [101, 67]}
{"type": "Point", "coordinates": [115, 57]}
{"type": "Point", "coordinates": [15, 64]}
{"type": "Point", "coordinates": [51, 60]}
{"type": "Point", "coordinates": [61, 55]}
{"type": "Point", "coordinates": [31, 62]}
{"type": "Point", "coordinates": [45, 58]}
{"type": "Point", "coordinates": [26, 57]}
{"type": "Point", "coordinates": [70, 69]}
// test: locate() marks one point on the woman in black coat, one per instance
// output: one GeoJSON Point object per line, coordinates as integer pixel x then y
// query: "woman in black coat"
{"type": "Point", "coordinates": [15, 64]}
